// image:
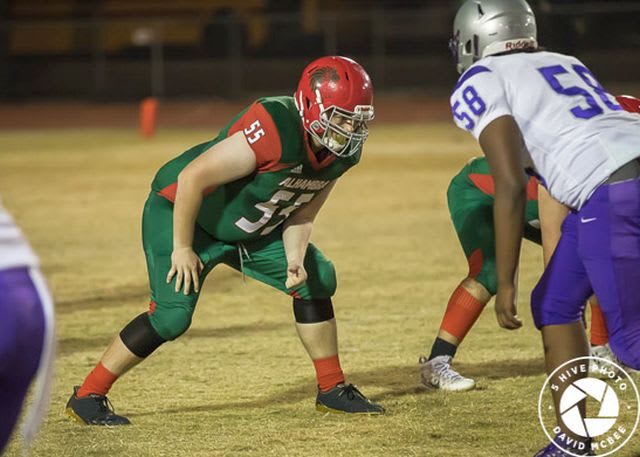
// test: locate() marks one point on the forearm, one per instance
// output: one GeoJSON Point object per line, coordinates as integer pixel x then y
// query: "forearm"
{"type": "Point", "coordinates": [508, 216]}
{"type": "Point", "coordinates": [298, 227]}
{"type": "Point", "coordinates": [185, 210]}
{"type": "Point", "coordinates": [296, 236]}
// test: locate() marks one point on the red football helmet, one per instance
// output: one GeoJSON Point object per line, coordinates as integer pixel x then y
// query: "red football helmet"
{"type": "Point", "coordinates": [629, 103]}
{"type": "Point", "coordinates": [335, 101]}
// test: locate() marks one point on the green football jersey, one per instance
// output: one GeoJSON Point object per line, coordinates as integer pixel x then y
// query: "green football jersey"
{"type": "Point", "coordinates": [478, 174]}
{"type": "Point", "coordinates": [287, 177]}
{"type": "Point", "coordinates": [474, 183]}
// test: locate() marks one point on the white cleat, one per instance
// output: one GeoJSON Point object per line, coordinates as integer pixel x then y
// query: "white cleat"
{"type": "Point", "coordinates": [605, 352]}
{"type": "Point", "coordinates": [438, 374]}
{"type": "Point", "coordinates": [602, 352]}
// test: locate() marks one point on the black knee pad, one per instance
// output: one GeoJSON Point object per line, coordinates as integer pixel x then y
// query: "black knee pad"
{"type": "Point", "coordinates": [312, 311]}
{"type": "Point", "coordinates": [140, 337]}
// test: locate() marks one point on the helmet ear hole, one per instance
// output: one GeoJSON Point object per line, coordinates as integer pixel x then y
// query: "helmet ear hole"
{"type": "Point", "coordinates": [467, 47]}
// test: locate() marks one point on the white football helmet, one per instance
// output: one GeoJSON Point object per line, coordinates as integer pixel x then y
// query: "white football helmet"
{"type": "Point", "coordinates": [486, 27]}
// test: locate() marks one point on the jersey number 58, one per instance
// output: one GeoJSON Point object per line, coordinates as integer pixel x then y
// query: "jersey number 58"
{"type": "Point", "coordinates": [551, 73]}
{"type": "Point", "coordinates": [474, 103]}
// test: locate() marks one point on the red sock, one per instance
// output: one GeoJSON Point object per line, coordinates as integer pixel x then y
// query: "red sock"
{"type": "Point", "coordinates": [599, 334]}
{"type": "Point", "coordinates": [328, 372]}
{"type": "Point", "coordinates": [462, 312]}
{"type": "Point", "coordinates": [98, 382]}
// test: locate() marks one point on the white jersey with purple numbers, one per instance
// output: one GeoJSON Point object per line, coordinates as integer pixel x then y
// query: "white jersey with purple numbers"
{"type": "Point", "coordinates": [575, 132]}
{"type": "Point", "coordinates": [14, 248]}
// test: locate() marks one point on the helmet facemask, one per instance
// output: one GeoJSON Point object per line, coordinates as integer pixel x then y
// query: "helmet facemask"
{"type": "Point", "coordinates": [463, 53]}
{"type": "Point", "coordinates": [341, 131]}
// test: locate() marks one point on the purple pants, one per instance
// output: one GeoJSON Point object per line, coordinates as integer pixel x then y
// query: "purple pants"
{"type": "Point", "coordinates": [22, 331]}
{"type": "Point", "coordinates": [599, 251]}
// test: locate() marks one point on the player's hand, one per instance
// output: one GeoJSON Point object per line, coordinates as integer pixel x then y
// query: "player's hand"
{"type": "Point", "coordinates": [506, 309]}
{"type": "Point", "coordinates": [296, 275]}
{"type": "Point", "coordinates": [186, 266]}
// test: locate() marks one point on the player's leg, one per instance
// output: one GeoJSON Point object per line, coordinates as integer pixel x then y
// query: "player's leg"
{"type": "Point", "coordinates": [472, 216]}
{"type": "Point", "coordinates": [557, 309]}
{"type": "Point", "coordinates": [22, 336]}
{"type": "Point", "coordinates": [463, 309]}
{"type": "Point", "coordinates": [168, 317]}
{"type": "Point", "coordinates": [610, 249]}
{"type": "Point", "coordinates": [598, 334]}
{"type": "Point", "coordinates": [315, 321]}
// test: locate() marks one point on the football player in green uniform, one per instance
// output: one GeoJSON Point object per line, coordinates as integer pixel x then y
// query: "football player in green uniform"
{"type": "Point", "coordinates": [470, 199]}
{"type": "Point", "coordinates": [248, 198]}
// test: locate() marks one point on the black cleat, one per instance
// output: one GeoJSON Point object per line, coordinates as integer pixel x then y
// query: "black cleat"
{"type": "Point", "coordinates": [93, 410]}
{"type": "Point", "coordinates": [346, 399]}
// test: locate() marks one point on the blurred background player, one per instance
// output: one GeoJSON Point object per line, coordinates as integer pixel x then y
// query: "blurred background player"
{"type": "Point", "coordinates": [546, 113]}
{"type": "Point", "coordinates": [470, 202]}
{"type": "Point", "coordinates": [248, 198]}
{"type": "Point", "coordinates": [26, 332]}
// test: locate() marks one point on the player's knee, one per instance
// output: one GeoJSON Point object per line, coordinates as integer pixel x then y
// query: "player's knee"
{"type": "Point", "coordinates": [537, 300]}
{"type": "Point", "coordinates": [479, 288]}
{"type": "Point", "coordinates": [312, 311]}
{"type": "Point", "coordinates": [485, 284]}
{"type": "Point", "coordinates": [140, 337]}
{"type": "Point", "coordinates": [547, 349]}
{"type": "Point", "coordinates": [543, 309]}
{"type": "Point", "coordinates": [325, 283]}
{"type": "Point", "coordinates": [171, 323]}
{"type": "Point", "coordinates": [554, 309]}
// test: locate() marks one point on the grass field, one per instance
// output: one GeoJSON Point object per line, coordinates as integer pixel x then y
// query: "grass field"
{"type": "Point", "coordinates": [239, 383]}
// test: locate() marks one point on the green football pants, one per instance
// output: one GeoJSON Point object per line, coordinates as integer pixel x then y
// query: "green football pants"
{"type": "Point", "coordinates": [471, 213]}
{"type": "Point", "coordinates": [262, 259]}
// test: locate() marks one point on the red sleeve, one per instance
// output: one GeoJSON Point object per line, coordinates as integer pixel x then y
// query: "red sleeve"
{"type": "Point", "coordinates": [532, 189]}
{"type": "Point", "coordinates": [486, 184]}
{"type": "Point", "coordinates": [629, 103]}
{"type": "Point", "coordinates": [483, 182]}
{"type": "Point", "coordinates": [262, 136]}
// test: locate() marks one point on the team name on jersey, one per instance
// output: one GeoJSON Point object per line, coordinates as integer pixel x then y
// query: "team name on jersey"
{"type": "Point", "coordinates": [304, 184]}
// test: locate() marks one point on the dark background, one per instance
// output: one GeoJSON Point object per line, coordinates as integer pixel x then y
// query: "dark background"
{"type": "Point", "coordinates": [124, 50]}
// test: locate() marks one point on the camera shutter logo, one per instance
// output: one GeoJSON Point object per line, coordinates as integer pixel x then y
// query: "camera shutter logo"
{"type": "Point", "coordinates": [599, 391]}
{"type": "Point", "coordinates": [613, 411]}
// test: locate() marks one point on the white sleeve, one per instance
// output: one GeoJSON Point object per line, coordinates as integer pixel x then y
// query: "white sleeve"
{"type": "Point", "coordinates": [478, 98]}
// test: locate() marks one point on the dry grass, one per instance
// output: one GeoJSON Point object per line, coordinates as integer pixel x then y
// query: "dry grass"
{"type": "Point", "coordinates": [239, 383]}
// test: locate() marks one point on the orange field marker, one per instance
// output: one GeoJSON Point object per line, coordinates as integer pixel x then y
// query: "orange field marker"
{"type": "Point", "coordinates": [148, 117]}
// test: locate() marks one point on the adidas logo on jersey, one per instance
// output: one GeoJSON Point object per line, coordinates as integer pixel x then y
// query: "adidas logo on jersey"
{"type": "Point", "coordinates": [297, 169]}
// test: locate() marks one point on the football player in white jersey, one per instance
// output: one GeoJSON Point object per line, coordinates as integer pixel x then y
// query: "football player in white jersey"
{"type": "Point", "coordinates": [546, 114]}
{"type": "Point", "coordinates": [26, 332]}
